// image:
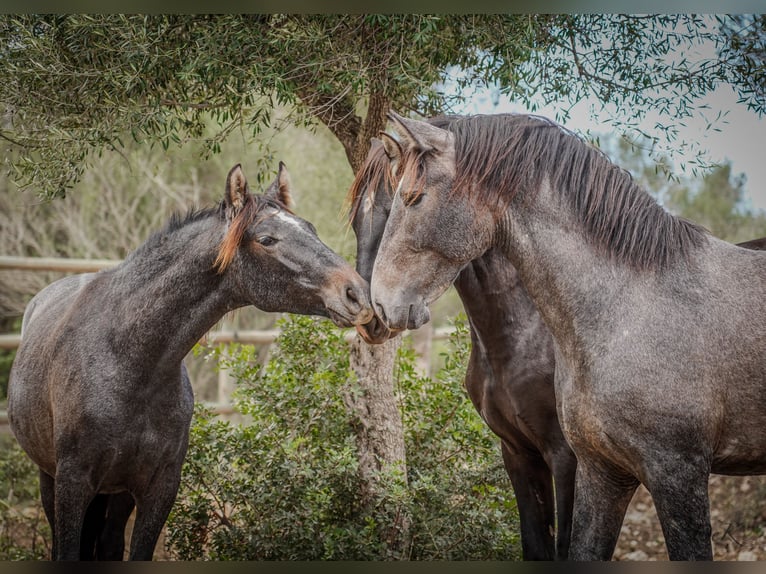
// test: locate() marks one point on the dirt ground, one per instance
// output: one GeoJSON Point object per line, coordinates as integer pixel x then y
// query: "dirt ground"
{"type": "Point", "coordinates": [738, 517]}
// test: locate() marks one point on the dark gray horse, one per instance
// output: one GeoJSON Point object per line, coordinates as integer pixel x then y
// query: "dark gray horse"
{"type": "Point", "coordinates": [657, 325]}
{"type": "Point", "coordinates": [99, 397]}
{"type": "Point", "coordinates": [510, 371]}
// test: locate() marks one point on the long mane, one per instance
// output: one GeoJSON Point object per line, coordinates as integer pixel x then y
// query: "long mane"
{"type": "Point", "coordinates": [500, 156]}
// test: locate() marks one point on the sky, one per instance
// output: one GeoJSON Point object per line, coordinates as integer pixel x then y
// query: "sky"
{"type": "Point", "coordinates": [739, 135]}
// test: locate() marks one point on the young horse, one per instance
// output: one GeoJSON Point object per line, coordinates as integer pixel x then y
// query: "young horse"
{"type": "Point", "coordinates": [660, 364]}
{"type": "Point", "coordinates": [99, 396]}
{"type": "Point", "coordinates": [510, 371]}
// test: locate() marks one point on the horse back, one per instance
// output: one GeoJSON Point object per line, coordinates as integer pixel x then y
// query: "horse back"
{"type": "Point", "coordinates": [54, 299]}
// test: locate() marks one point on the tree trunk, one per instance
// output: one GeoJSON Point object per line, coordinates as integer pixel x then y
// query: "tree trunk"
{"type": "Point", "coordinates": [379, 428]}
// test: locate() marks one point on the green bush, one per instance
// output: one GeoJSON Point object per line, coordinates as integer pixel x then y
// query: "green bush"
{"type": "Point", "coordinates": [284, 485]}
{"type": "Point", "coordinates": [24, 531]}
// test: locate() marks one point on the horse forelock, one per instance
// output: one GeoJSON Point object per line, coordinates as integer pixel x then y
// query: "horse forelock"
{"type": "Point", "coordinates": [253, 206]}
{"type": "Point", "coordinates": [375, 170]}
{"type": "Point", "coordinates": [413, 168]}
{"type": "Point", "coordinates": [500, 156]}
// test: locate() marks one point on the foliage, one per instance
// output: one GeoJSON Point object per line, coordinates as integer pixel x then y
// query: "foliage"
{"type": "Point", "coordinates": [746, 48]}
{"type": "Point", "coordinates": [75, 85]}
{"type": "Point", "coordinates": [717, 203]}
{"type": "Point", "coordinates": [284, 485]}
{"type": "Point", "coordinates": [716, 200]}
{"type": "Point", "coordinates": [24, 531]}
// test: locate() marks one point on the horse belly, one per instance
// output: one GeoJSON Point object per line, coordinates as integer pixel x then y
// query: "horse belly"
{"type": "Point", "coordinates": [740, 457]}
{"type": "Point", "coordinates": [132, 456]}
{"type": "Point", "coordinates": [741, 445]}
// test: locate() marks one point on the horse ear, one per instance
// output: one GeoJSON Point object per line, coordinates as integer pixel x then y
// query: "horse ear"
{"type": "Point", "coordinates": [237, 191]}
{"type": "Point", "coordinates": [391, 146]}
{"type": "Point", "coordinates": [281, 188]}
{"type": "Point", "coordinates": [421, 135]}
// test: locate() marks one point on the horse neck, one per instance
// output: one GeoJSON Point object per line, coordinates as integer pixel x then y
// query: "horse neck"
{"type": "Point", "coordinates": [569, 279]}
{"type": "Point", "coordinates": [167, 295]}
{"type": "Point", "coordinates": [496, 303]}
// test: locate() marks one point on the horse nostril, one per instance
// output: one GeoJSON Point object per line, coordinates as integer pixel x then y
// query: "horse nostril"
{"type": "Point", "coordinates": [380, 313]}
{"type": "Point", "coordinates": [376, 329]}
{"type": "Point", "coordinates": [351, 294]}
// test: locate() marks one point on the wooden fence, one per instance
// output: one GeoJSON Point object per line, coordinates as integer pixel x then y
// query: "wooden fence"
{"type": "Point", "coordinates": [251, 337]}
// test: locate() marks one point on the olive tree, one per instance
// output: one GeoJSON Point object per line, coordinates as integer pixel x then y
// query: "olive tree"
{"type": "Point", "coordinates": [77, 85]}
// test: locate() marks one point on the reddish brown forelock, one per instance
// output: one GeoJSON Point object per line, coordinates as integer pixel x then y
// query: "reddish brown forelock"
{"type": "Point", "coordinates": [413, 169]}
{"type": "Point", "coordinates": [368, 177]}
{"type": "Point", "coordinates": [234, 234]}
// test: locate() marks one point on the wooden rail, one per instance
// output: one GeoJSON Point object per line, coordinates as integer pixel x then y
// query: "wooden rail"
{"type": "Point", "coordinates": [63, 264]}
{"type": "Point", "coordinates": [249, 337]}
{"type": "Point", "coordinates": [56, 264]}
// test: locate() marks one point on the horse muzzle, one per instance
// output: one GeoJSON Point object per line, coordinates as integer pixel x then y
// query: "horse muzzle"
{"type": "Point", "coordinates": [375, 332]}
{"type": "Point", "coordinates": [350, 305]}
{"type": "Point", "coordinates": [398, 317]}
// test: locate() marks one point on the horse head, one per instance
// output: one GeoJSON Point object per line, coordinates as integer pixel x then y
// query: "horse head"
{"type": "Point", "coordinates": [277, 259]}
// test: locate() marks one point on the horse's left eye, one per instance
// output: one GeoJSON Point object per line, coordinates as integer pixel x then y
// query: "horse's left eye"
{"type": "Point", "coordinates": [415, 200]}
{"type": "Point", "coordinates": [266, 240]}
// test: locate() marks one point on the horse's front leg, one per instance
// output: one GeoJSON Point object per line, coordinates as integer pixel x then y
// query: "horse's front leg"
{"type": "Point", "coordinates": [601, 498]}
{"type": "Point", "coordinates": [564, 469]}
{"type": "Point", "coordinates": [73, 495]}
{"type": "Point", "coordinates": [152, 509]}
{"type": "Point", "coordinates": [679, 489]}
{"type": "Point", "coordinates": [533, 487]}
{"type": "Point", "coordinates": [48, 498]}
{"type": "Point", "coordinates": [92, 526]}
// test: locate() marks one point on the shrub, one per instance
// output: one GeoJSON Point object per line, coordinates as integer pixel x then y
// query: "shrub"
{"type": "Point", "coordinates": [284, 484]}
{"type": "Point", "coordinates": [24, 531]}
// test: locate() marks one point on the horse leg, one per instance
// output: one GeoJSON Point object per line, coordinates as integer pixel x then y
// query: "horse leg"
{"type": "Point", "coordinates": [680, 494]}
{"type": "Point", "coordinates": [601, 497]}
{"type": "Point", "coordinates": [111, 543]}
{"type": "Point", "coordinates": [48, 498]}
{"type": "Point", "coordinates": [153, 508]}
{"type": "Point", "coordinates": [73, 496]}
{"type": "Point", "coordinates": [564, 469]}
{"type": "Point", "coordinates": [533, 487]}
{"type": "Point", "coordinates": [92, 526]}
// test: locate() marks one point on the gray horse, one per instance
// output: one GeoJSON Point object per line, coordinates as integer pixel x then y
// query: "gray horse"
{"type": "Point", "coordinates": [509, 378]}
{"type": "Point", "coordinates": [99, 397]}
{"type": "Point", "coordinates": [657, 325]}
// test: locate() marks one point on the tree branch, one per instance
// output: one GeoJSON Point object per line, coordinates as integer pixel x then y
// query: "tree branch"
{"type": "Point", "coordinates": [338, 115]}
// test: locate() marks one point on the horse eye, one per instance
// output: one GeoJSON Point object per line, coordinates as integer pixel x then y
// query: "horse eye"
{"type": "Point", "coordinates": [266, 240]}
{"type": "Point", "coordinates": [415, 200]}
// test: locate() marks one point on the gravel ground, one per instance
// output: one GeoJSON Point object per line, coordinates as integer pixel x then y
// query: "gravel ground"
{"type": "Point", "coordinates": [738, 517]}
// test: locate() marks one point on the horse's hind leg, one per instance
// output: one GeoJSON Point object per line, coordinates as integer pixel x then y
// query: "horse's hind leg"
{"type": "Point", "coordinates": [152, 510]}
{"type": "Point", "coordinates": [564, 469]}
{"type": "Point", "coordinates": [602, 495]}
{"type": "Point", "coordinates": [111, 543]}
{"type": "Point", "coordinates": [48, 498]}
{"type": "Point", "coordinates": [92, 526]}
{"type": "Point", "coordinates": [533, 488]}
{"type": "Point", "coordinates": [680, 494]}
